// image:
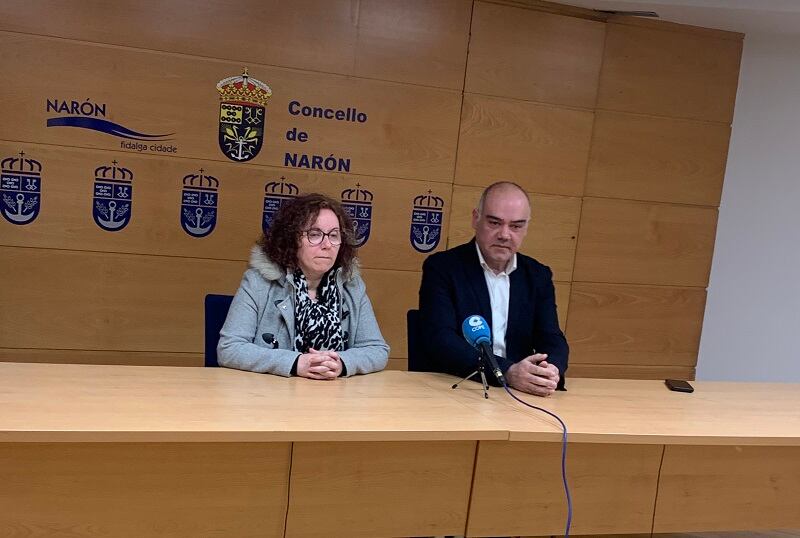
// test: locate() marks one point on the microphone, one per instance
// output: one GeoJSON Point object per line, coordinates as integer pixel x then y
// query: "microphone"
{"type": "Point", "coordinates": [477, 333]}
{"type": "Point", "coordinates": [269, 339]}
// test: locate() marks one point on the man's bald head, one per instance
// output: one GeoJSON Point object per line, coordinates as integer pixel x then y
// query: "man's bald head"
{"type": "Point", "coordinates": [500, 187]}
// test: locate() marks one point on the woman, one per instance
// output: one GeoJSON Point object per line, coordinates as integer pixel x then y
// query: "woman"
{"type": "Point", "coordinates": [302, 307]}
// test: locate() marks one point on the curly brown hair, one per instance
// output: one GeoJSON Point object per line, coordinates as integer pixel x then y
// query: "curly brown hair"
{"type": "Point", "coordinates": [281, 241]}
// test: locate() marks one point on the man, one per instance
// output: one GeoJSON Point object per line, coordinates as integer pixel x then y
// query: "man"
{"type": "Point", "coordinates": [513, 292]}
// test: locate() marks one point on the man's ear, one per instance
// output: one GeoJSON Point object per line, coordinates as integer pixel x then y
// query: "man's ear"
{"type": "Point", "coordinates": [475, 218]}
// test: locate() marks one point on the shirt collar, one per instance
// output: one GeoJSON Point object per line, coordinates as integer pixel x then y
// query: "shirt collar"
{"type": "Point", "coordinates": [510, 268]}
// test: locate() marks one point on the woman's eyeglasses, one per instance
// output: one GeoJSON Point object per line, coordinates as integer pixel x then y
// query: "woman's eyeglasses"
{"type": "Point", "coordinates": [316, 236]}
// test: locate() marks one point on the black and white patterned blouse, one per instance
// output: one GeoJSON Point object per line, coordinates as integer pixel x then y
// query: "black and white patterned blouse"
{"type": "Point", "coordinates": [317, 324]}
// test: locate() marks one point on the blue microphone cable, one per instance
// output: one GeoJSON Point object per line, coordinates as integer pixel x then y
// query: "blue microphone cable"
{"type": "Point", "coordinates": [563, 453]}
{"type": "Point", "coordinates": [477, 333]}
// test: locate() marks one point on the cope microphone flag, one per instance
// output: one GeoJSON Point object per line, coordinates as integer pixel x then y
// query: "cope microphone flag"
{"type": "Point", "coordinates": [477, 333]}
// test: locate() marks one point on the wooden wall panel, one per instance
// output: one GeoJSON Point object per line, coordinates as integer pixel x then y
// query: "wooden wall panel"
{"type": "Point", "coordinates": [740, 487]}
{"type": "Point", "coordinates": [410, 131]}
{"type": "Point", "coordinates": [629, 371]}
{"type": "Point", "coordinates": [543, 148]}
{"type": "Point", "coordinates": [669, 73]}
{"type": "Point", "coordinates": [644, 243]}
{"type": "Point", "coordinates": [131, 303]}
{"type": "Point", "coordinates": [393, 293]}
{"type": "Point", "coordinates": [300, 34]}
{"type": "Point", "coordinates": [415, 41]}
{"type": "Point", "coordinates": [616, 324]}
{"type": "Point", "coordinates": [536, 56]}
{"type": "Point", "coordinates": [73, 356]}
{"type": "Point", "coordinates": [552, 234]}
{"type": "Point", "coordinates": [130, 489]}
{"type": "Point", "coordinates": [518, 490]}
{"type": "Point", "coordinates": [65, 219]}
{"type": "Point", "coordinates": [657, 159]}
{"type": "Point", "coordinates": [428, 485]}
{"type": "Point", "coordinates": [397, 364]}
{"type": "Point", "coordinates": [99, 301]}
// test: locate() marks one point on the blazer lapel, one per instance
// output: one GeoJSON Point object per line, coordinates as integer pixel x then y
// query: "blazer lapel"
{"type": "Point", "coordinates": [517, 301]}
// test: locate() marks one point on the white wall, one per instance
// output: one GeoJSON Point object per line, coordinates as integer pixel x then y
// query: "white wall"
{"type": "Point", "coordinates": [751, 330]}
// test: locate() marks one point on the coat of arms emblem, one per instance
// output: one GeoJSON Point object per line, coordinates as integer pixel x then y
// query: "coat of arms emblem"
{"type": "Point", "coordinates": [426, 222]}
{"type": "Point", "coordinates": [112, 205]}
{"type": "Point", "coordinates": [242, 116]}
{"type": "Point", "coordinates": [276, 194]}
{"type": "Point", "coordinates": [358, 204]}
{"type": "Point", "coordinates": [20, 189]}
{"type": "Point", "coordinates": [199, 200]}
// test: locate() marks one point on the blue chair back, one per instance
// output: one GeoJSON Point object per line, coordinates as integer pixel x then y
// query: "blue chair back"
{"type": "Point", "coordinates": [416, 357]}
{"type": "Point", "coordinates": [216, 310]}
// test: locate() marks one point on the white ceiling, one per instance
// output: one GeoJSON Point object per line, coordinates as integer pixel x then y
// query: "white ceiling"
{"type": "Point", "coordinates": [746, 16]}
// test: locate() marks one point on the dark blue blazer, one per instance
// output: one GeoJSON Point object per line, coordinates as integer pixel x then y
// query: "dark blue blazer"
{"type": "Point", "coordinates": [454, 288]}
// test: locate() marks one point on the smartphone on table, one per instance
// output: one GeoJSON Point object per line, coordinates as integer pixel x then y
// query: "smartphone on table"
{"type": "Point", "coordinates": [678, 385]}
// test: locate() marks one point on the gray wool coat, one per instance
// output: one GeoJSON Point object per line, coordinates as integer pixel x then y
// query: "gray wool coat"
{"type": "Point", "coordinates": [264, 304]}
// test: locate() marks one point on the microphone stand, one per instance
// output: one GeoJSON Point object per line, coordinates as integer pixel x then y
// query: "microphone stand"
{"type": "Point", "coordinates": [482, 371]}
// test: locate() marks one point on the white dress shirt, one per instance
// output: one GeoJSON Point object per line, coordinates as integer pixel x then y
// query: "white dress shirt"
{"type": "Point", "coordinates": [499, 286]}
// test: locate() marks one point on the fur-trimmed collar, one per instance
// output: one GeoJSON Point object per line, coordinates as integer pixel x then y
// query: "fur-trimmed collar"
{"type": "Point", "coordinates": [272, 271]}
{"type": "Point", "coordinates": [265, 267]}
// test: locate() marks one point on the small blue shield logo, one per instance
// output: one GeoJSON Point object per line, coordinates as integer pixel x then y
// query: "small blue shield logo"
{"type": "Point", "coordinates": [113, 197]}
{"type": "Point", "coordinates": [242, 116]}
{"type": "Point", "coordinates": [426, 222]}
{"type": "Point", "coordinates": [20, 189]}
{"type": "Point", "coordinates": [358, 204]}
{"type": "Point", "coordinates": [276, 194]}
{"type": "Point", "coordinates": [199, 200]}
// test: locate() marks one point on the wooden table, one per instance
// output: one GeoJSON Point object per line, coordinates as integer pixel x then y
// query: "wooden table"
{"type": "Point", "coordinates": [640, 459]}
{"type": "Point", "coordinates": [160, 451]}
